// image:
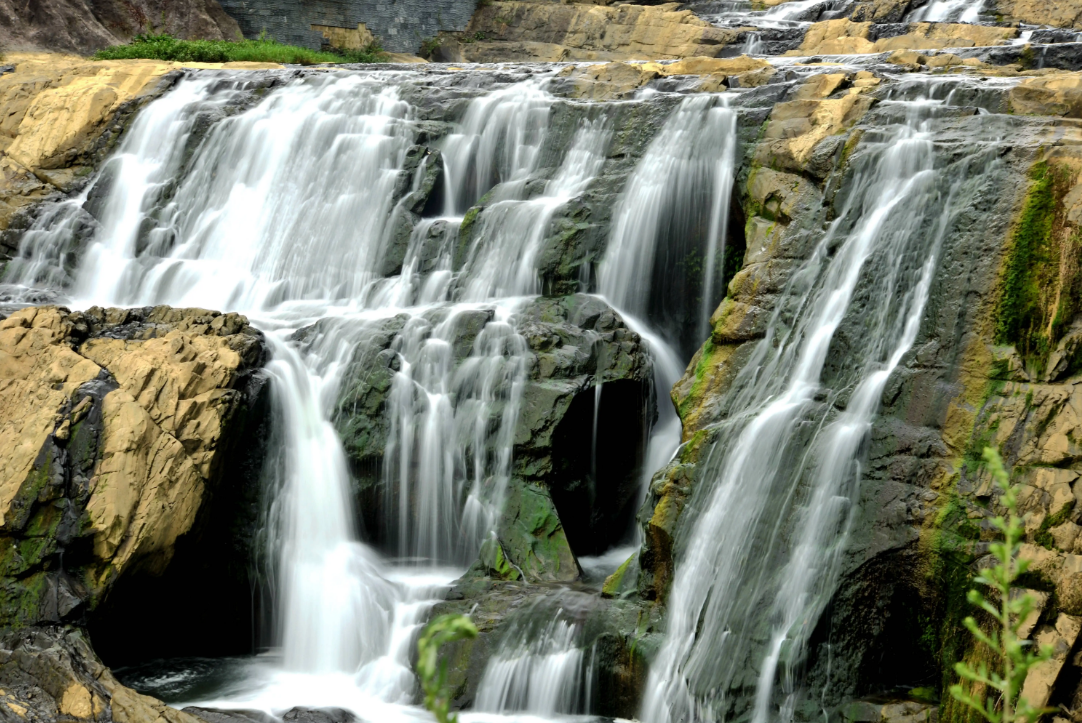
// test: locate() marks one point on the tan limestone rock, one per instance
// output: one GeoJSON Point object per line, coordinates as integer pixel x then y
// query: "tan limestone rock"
{"type": "Point", "coordinates": [836, 37]}
{"type": "Point", "coordinates": [516, 30]}
{"type": "Point", "coordinates": [796, 127]}
{"type": "Point", "coordinates": [1059, 94]}
{"type": "Point", "coordinates": [607, 81]}
{"type": "Point", "coordinates": [846, 37]}
{"type": "Point", "coordinates": [1057, 13]}
{"type": "Point", "coordinates": [166, 391]}
{"type": "Point", "coordinates": [1037, 689]}
{"type": "Point", "coordinates": [820, 86]}
{"type": "Point", "coordinates": [38, 373]}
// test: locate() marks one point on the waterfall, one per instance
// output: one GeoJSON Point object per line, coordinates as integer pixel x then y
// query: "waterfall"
{"type": "Point", "coordinates": [293, 206]}
{"type": "Point", "coordinates": [540, 665]}
{"type": "Point", "coordinates": [941, 11]}
{"type": "Point", "coordinates": [219, 201]}
{"type": "Point", "coordinates": [682, 183]}
{"type": "Point", "coordinates": [781, 478]}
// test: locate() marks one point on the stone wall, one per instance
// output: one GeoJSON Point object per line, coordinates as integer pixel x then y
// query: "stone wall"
{"type": "Point", "coordinates": [400, 25]}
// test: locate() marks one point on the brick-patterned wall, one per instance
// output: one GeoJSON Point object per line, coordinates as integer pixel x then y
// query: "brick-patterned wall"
{"type": "Point", "coordinates": [401, 25]}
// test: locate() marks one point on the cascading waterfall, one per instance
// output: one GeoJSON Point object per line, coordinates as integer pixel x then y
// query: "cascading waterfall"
{"type": "Point", "coordinates": [540, 665]}
{"type": "Point", "coordinates": [783, 455]}
{"type": "Point", "coordinates": [942, 11]}
{"type": "Point", "coordinates": [259, 216]}
{"type": "Point", "coordinates": [683, 183]}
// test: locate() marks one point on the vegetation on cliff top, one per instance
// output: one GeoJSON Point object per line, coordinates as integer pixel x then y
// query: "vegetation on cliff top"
{"type": "Point", "coordinates": [263, 50]}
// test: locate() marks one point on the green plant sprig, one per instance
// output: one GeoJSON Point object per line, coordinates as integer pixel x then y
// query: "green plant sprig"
{"type": "Point", "coordinates": [1014, 655]}
{"type": "Point", "coordinates": [433, 671]}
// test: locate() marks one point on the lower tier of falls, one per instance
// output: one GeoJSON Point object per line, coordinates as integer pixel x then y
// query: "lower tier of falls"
{"type": "Point", "coordinates": [613, 376]}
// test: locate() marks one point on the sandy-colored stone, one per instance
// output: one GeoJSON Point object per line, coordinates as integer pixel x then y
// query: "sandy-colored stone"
{"type": "Point", "coordinates": [796, 127]}
{"type": "Point", "coordinates": [516, 30]}
{"type": "Point", "coordinates": [846, 37]}
{"type": "Point", "coordinates": [607, 81]}
{"type": "Point", "coordinates": [1059, 94]}
{"type": "Point", "coordinates": [170, 392]}
{"type": "Point", "coordinates": [77, 702]}
{"type": "Point", "coordinates": [1057, 13]}
{"type": "Point", "coordinates": [1037, 689]}
{"type": "Point", "coordinates": [38, 373]}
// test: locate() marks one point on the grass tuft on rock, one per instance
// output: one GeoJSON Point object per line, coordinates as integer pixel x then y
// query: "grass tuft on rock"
{"type": "Point", "coordinates": [263, 50]}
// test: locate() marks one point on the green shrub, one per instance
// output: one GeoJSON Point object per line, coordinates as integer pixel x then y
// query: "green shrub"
{"type": "Point", "coordinates": [263, 50]}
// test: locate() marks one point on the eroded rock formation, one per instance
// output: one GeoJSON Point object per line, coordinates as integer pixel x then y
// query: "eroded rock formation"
{"type": "Point", "coordinates": [120, 427]}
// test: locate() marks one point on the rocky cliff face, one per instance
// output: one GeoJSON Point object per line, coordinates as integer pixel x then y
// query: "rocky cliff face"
{"type": "Point", "coordinates": [79, 27]}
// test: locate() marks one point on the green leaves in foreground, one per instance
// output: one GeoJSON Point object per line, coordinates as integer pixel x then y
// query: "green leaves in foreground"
{"type": "Point", "coordinates": [1011, 655]}
{"type": "Point", "coordinates": [432, 671]}
{"type": "Point", "coordinates": [264, 50]}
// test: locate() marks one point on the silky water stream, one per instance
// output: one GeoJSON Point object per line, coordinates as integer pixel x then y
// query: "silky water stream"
{"type": "Point", "coordinates": [286, 211]}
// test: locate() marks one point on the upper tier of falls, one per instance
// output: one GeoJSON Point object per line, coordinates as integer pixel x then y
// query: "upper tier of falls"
{"type": "Point", "coordinates": [482, 293]}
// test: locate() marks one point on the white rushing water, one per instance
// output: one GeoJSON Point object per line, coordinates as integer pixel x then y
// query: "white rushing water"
{"type": "Point", "coordinates": [686, 173]}
{"type": "Point", "coordinates": [261, 216]}
{"type": "Point", "coordinates": [741, 563]}
{"type": "Point", "coordinates": [541, 665]}
{"type": "Point", "coordinates": [943, 11]}
{"type": "Point", "coordinates": [288, 211]}
{"type": "Point", "coordinates": [264, 221]}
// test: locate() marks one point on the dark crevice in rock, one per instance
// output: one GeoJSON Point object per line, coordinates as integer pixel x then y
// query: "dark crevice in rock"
{"type": "Point", "coordinates": [596, 488]}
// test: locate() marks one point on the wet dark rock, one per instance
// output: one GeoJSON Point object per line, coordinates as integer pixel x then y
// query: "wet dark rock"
{"type": "Point", "coordinates": [51, 673]}
{"type": "Point", "coordinates": [319, 715]}
{"type": "Point", "coordinates": [620, 636]}
{"type": "Point", "coordinates": [214, 715]}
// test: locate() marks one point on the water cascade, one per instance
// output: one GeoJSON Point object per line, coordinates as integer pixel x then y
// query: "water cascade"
{"type": "Point", "coordinates": [388, 232]}
{"type": "Point", "coordinates": [682, 185]}
{"type": "Point", "coordinates": [540, 666]}
{"type": "Point", "coordinates": [785, 464]}
{"type": "Point", "coordinates": [258, 215]}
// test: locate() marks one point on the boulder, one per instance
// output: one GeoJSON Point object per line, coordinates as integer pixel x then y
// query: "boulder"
{"type": "Point", "coordinates": [51, 673]}
{"type": "Point", "coordinates": [117, 426]}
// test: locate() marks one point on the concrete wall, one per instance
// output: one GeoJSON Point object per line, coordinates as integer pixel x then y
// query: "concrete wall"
{"type": "Point", "coordinates": [400, 25]}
